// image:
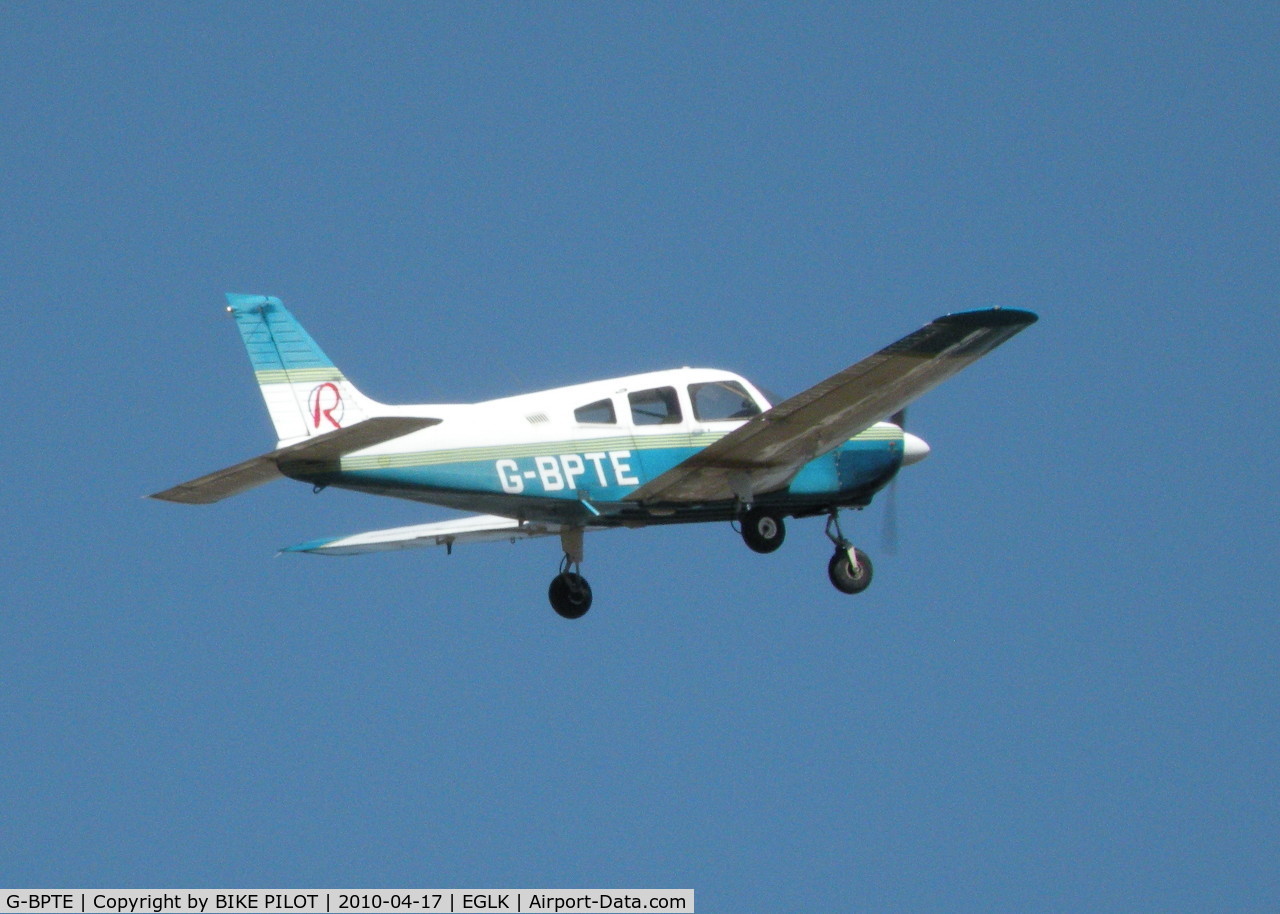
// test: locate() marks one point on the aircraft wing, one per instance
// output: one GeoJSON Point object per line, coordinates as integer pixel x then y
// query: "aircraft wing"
{"type": "Point", "coordinates": [320, 450]}
{"type": "Point", "coordinates": [480, 528]}
{"type": "Point", "coordinates": [765, 453]}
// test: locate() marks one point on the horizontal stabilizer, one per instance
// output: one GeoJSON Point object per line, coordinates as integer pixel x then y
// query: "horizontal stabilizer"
{"type": "Point", "coordinates": [480, 528]}
{"type": "Point", "coordinates": [320, 450]}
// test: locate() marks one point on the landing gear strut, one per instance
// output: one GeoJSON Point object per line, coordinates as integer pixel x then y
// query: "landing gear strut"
{"type": "Point", "coordinates": [849, 569]}
{"type": "Point", "coordinates": [570, 594]}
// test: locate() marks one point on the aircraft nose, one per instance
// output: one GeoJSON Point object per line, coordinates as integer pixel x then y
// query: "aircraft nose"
{"type": "Point", "coordinates": [914, 449]}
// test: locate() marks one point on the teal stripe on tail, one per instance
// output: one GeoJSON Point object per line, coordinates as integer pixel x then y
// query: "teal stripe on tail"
{"type": "Point", "coordinates": [273, 336]}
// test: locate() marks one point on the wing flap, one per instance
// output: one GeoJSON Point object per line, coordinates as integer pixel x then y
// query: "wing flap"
{"type": "Point", "coordinates": [480, 528]}
{"type": "Point", "coordinates": [318, 451]}
{"type": "Point", "coordinates": [765, 453]}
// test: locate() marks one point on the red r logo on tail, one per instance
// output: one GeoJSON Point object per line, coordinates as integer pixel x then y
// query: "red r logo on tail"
{"type": "Point", "coordinates": [325, 402]}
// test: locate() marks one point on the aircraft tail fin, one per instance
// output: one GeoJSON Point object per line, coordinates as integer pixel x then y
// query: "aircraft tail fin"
{"type": "Point", "coordinates": [305, 393]}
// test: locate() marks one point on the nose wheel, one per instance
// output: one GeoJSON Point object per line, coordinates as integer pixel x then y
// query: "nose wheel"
{"type": "Point", "coordinates": [849, 569]}
{"type": "Point", "coordinates": [844, 576]}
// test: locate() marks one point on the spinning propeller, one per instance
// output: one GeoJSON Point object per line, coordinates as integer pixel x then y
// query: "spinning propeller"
{"type": "Point", "coordinates": [914, 449]}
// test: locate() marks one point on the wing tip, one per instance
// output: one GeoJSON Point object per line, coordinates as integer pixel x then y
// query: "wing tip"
{"type": "Point", "coordinates": [991, 317]}
{"type": "Point", "coordinates": [315, 546]}
{"type": "Point", "coordinates": [183, 494]}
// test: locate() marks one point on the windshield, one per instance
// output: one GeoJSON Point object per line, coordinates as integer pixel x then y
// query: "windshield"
{"type": "Point", "coordinates": [717, 401]}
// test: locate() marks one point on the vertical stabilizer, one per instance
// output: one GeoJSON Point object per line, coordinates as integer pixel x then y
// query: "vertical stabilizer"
{"type": "Point", "coordinates": [305, 393]}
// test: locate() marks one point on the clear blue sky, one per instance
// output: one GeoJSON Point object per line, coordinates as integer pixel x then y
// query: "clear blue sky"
{"type": "Point", "coordinates": [1060, 694]}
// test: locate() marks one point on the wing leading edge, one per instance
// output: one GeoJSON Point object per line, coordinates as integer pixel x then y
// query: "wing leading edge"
{"type": "Point", "coordinates": [764, 454]}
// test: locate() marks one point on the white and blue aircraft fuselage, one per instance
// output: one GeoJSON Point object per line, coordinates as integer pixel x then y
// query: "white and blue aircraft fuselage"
{"type": "Point", "coordinates": [677, 446]}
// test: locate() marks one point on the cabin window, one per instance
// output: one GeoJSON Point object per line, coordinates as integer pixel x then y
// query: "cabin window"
{"type": "Point", "coordinates": [718, 401]}
{"type": "Point", "coordinates": [597, 413]}
{"type": "Point", "coordinates": [660, 406]}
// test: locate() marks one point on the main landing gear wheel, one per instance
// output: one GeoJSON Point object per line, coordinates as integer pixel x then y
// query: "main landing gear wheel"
{"type": "Point", "coordinates": [570, 595]}
{"type": "Point", "coordinates": [763, 531]}
{"type": "Point", "coordinates": [842, 574]}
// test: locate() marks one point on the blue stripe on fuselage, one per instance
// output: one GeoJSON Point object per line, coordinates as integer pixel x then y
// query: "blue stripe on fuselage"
{"type": "Point", "coordinates": [604, 477]}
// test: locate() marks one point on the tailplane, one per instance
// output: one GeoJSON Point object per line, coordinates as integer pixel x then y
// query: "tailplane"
{"type": "Point", "coordinates": [305, 393]}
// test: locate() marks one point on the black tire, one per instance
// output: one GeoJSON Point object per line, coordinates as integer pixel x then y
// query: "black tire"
{"type": "Point", "coordinates": [840, 571]}
{"type": "Point", "coordinates": [763, 531]}
{"type": "Point", "coordinates": [570, 595]}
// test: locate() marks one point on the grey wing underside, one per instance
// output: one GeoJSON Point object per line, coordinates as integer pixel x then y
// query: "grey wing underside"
{"type": "Point", "coordinates": [764, 454]}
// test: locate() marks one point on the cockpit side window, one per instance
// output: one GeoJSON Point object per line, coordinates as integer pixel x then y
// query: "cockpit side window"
{"type": "Point", "coordinates": [597, 413]}
{"type": "Point", "coordinates": [660, 406]}
{"type": "Point", "coordinates": [717, 401]}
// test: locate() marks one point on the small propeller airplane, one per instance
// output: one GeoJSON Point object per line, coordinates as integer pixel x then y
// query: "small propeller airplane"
{"type": "Point", "coordinates": [668, 447]}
